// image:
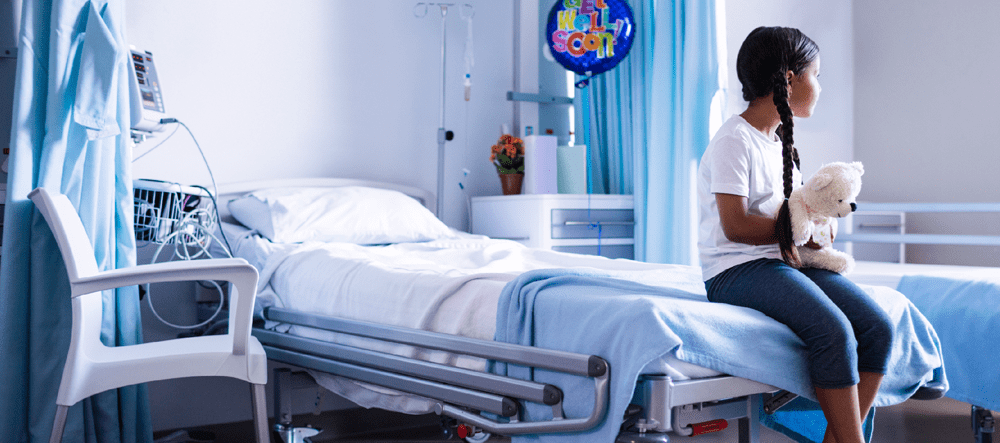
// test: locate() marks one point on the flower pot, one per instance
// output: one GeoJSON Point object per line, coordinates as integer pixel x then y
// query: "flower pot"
{"type": "Point", "coordinates": [511, 183]}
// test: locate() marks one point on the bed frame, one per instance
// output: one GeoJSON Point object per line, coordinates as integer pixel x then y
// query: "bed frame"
{"type": "Point", "coordinates": [661, 405]}
{"type": "Point", "coordinates": [665, 405]}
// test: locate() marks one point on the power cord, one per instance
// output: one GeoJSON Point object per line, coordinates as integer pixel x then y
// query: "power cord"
{"type": "Point", "coordinates": [208, 167]}
{"type": "Point", "coordinates": [187, 221]}
{"type": "Point", "coordinates": [187, 256]}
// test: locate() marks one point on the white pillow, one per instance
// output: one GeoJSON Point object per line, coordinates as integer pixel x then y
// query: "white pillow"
{"type": "Point", "coordinates": [350, 214]}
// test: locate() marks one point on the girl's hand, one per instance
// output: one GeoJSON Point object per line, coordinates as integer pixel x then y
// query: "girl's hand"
{"type": "Point", "coordinates": [812, 244]}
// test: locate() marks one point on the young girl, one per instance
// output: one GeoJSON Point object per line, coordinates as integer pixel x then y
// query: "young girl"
{"type": "Point", "coordinates": [747, 256]}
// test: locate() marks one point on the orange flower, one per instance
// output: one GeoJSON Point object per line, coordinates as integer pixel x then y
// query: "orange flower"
{"type": "Point", "coordinates": [512, 151]}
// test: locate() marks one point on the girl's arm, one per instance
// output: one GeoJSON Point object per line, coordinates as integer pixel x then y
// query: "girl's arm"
{"type": "Point", "coordinates": [739, 225]}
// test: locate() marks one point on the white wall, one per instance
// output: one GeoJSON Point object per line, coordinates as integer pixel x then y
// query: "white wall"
{"type": "Point", "coordinates": [828, 135]}
{"type": "Point", "coordinates": [326, 88]}
{"type": "Point", "coordinates": [926, 124]}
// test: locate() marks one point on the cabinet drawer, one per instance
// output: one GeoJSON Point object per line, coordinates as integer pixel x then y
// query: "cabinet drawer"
{"type": "Point", "coordinates": [609, 251]}
{"type": "Point", "coordinates": [593, 223]}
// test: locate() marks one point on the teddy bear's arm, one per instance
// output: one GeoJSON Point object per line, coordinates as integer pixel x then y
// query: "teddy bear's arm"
{"type": "Point", "coordinates": [802, 230]}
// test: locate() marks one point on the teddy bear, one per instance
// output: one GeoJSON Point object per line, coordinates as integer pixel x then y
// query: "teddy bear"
{"type": "Point", "coordinates": [814, 207]}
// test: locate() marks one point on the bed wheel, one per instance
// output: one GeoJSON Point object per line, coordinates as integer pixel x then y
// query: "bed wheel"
{"type": "Point", "coordinates": [479, 437]}
{"type": "Point", "coordinates": [288, 434]}
{"type": "Point", "coordinates": [643, 437]}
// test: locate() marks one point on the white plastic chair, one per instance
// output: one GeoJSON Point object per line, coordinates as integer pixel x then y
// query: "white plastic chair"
{"type": "Point", "coordinates": [91, 367]}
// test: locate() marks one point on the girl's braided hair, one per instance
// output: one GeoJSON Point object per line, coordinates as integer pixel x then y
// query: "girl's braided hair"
{"type": "Point", "coordinates": [765, 57]}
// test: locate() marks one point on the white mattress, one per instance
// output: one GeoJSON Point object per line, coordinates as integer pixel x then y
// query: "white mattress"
{"type": "Point", "coordinates": [889, 274]}
{"type": "Point", "coordinates": [448, 286]}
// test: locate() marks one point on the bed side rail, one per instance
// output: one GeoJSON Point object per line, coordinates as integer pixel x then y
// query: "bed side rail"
{"type": "Point", "coordinates": [492, 383]}
{"type": "Point", "coordinates": [460, 393]}
{"type": "Point", "coordinates": [927, 239]}
{"type": "Point", "coordinates": [589, 366]}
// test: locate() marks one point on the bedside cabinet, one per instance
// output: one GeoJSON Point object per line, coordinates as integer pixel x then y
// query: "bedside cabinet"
{"type": "Point", "coordinates": [579, 223]}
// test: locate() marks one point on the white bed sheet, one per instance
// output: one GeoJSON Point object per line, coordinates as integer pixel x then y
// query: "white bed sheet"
{"type": "Point", "coordinates": [448, 286]}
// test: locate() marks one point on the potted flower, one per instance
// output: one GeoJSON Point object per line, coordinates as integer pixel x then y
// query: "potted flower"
{"type": "Point", "coordinates": [508, 157]}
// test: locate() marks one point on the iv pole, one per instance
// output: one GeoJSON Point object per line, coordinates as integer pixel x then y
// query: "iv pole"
{"type": "Point", "coordinates": [442, 134]}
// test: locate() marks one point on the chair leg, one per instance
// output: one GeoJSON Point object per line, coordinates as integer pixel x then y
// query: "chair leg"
{"type": "Point", "coordinates": [259, 397]}
{"type": "Point", "coordinates": [59, 424]}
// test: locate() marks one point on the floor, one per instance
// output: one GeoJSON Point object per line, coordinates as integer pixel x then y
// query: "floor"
{"type": "Point", "coordinates": [936, 421]}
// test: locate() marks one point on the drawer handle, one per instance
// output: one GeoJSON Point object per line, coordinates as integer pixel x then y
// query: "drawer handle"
{"type": "Point", "coordinates": [606, 223]}
{"type": "Point", "coordinates": [511, 238]}
{"type": "Point", "coordinates": [879, 225]}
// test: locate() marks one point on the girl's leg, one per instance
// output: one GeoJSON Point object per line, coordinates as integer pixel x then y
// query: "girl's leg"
{"type": "Point", "coordinates": [867, 388]}
{"type": "Point", "coordinates": [787, 295]}
{"type": "Point", "coordinates": [840, 407]}
{"type": "Point", "coordinates": [872, 327]}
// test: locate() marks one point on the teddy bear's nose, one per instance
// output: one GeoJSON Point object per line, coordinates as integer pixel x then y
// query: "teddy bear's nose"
{"type": "Point", "coordinates": [854, 207]}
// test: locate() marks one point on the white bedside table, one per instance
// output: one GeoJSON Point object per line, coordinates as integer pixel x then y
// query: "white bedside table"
{"type": "Point", "coordinates": [579, 223]}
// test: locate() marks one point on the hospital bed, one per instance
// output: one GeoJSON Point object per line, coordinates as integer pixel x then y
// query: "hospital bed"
{"type": "Point", "coordinates": [415, 334]}
{"type": "Point", "coordinates": [962, 302]}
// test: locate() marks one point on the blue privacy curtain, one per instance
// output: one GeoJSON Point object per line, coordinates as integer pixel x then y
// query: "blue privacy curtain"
{"type": "Point", "coordinates": [615, 107]}
{"type": "Point", "coordinates": [685, 79]}
{"type": "Point", "coordinates": [649, 122]}
{"type": "Point", "coordinates": [70, 133]}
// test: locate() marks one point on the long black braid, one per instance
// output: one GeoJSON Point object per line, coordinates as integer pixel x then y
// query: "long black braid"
{"type": "Point", "coordinates": [790, 159]}
{"type": "Point", "coordinates": [762, 64]}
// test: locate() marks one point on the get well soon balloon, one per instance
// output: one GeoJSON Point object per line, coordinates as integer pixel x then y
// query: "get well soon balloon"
{"type": "Point", "coordinates": [589, 37]}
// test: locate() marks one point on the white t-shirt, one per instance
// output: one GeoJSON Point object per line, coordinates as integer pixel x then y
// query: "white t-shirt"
{"type": "Point", "coordinates": [740, 160]}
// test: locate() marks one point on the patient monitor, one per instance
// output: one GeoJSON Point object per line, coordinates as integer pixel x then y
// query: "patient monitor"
{"type": "Point", "coordinates": [145, 96]}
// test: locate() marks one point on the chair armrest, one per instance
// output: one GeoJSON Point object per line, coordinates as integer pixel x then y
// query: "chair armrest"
{"type": "Point", "coordinates": [226, 269]}
{"type": "Point", "coordinates": [237, 271]}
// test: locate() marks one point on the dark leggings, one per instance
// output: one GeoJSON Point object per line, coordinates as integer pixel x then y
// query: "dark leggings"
{"type": "Point", "coordinates": [844, 330]}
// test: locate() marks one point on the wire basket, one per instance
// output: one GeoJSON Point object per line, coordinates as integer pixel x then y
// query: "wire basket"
{"type": "Point", "coordinates": [172, 213]}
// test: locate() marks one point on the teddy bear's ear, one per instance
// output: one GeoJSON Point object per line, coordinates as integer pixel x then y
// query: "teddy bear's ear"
{"type": "Point", "coordinates": [859, 167]}
{"type": "Point", "coordinates": [819, 181]}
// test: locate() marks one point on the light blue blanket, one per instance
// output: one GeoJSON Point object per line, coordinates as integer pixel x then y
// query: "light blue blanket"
{"type": "Point", "coordinates": [966, 315]}
{"type": "Point", "coordinates": [630, 324]}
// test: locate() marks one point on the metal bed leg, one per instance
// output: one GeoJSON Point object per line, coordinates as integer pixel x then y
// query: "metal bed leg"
{"type": "Point", "coordinates": [749, 426]}
{"type": "Point", "coordinates": [744, 428]}
{"type": "Point", "coordinates": [283, 410]}
{"type": "Point", "coordinates": [282, 396]}
{"type": "Point", "coordinates": [982, 424]}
